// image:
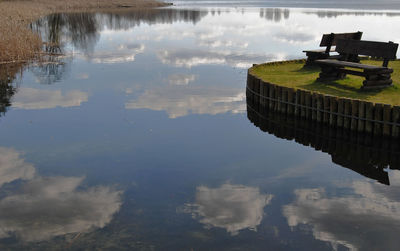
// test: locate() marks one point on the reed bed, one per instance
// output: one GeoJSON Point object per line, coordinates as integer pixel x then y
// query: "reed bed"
{"type": "Point", "coordinates": [19, 44]}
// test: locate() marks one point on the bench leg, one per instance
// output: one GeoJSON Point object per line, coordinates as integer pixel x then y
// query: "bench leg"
{"type": "Point", "coordinates": [330, 73]}
{"type": "Point", "coordinates": [377, 81]}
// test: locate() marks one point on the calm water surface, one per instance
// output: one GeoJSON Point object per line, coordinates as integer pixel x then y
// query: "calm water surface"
{"type": "Point", "coordinates": [140, 137]}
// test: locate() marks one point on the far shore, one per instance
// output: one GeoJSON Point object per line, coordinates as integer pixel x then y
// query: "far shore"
{"type": "Point", "coordinates": [19, 44]}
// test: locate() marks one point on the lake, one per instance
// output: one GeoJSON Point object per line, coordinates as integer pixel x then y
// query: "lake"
{"type": "Point", "coordinates": [140, 137]}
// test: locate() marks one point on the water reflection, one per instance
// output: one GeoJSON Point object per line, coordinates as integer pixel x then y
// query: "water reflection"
{"type": "Point", "coordinates": [189, 58]}
{"type": "Point", "coordinates": [364, 154]}
{"type": "Point", "coordinates": [232, 207]}
{"type": "Point", "coordinates": [275, 14]}
{"type": "Point", "coordinates": [179, 100]}
{"type": "Point", "coordinates": [8, 89]}
{"type": "Point", "coordinates": [32, 98]}
{"type": "Point", "coordinates": [335, 14]}
{"type": "Point", "coordinates": [369, 219]}
{"type": "Point", "coordinates": [35, 208]}
{"type": "Point", "coordinates": [82, 30]}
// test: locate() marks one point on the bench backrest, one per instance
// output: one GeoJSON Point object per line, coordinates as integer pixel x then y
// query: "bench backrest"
{"type": "Point", "coordinates": [331, 39]}
{"type": "Point", "coordinates": [387, 51]}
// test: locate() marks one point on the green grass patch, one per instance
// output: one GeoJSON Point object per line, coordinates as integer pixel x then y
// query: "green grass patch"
{"type": "Point", "coordinates": [292, 74]}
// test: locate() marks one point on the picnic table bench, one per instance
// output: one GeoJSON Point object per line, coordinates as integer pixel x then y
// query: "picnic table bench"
{"type": "Point", "coordinates": [375, 76]}
{"type": "Point", "coordinates": [329, 40]}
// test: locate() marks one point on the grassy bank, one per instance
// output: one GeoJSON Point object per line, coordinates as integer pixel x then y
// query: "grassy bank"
{"type": "Point", "coordinates": [18, 43]}
{"type": "Point", "coordinates": [292, 74]}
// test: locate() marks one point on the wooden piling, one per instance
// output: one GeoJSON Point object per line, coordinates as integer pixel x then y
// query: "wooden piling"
{"type": "Point", "coordinates": [291, 98]}
{"type": "Point", "coordinates": [378, 115]}
{"type": "Point", "coordinates": [298, 102]}
{"type": "Point", "coordinates": [308, 104]}
{"type": "Point", "coordinates": [302, 104]}
{"type": "Point", "coordinates": [320, 107]}
{"type": "Point", "coordinates": [354, 114]}
{"type": "Point", "coordinates": [326, 109]}
{"type": "Point", "coordinates": [333, 111]}
{"type": "Point", "coordinates": [395, 119]}
{"type": "Point", "coordinates": [340, 111]}
{"type": "Point", "coordinates": [369, 115]}
{"type": "Point", "coordinates": [387, 113]}
{"type": "Point", "coordinates": [361, 115]}
{"type": "Point", "coordinates": [347, 114]}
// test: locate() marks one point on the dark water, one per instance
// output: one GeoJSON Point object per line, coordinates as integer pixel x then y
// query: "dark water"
{"type": "Point", "coordinates": [141, 138]}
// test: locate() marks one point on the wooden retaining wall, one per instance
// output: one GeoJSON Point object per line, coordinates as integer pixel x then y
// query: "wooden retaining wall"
{"type": "Point", "coordinates": [355, 115]}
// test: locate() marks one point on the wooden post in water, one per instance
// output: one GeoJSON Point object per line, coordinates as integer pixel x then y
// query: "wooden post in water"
{"type": "Point", "coordinates": [271, 96]}
{"type": "Point", "coordinates": [387, 110]}
{"type": "Point", "coordinates": [395, 119]}
{"type": "Point", "coordinates": [354, 114]}
{"type": "Point", "coordinates": [278, 97]}
{"type": "Point", "coordinates": [302, 103]}
{"type": "Point", "coordinates": [361, 115]}
{"type": "Point", "coordinates": [291, 97]}
{"type": "Point", "coordinates": [320, 107]}
{"type": "Point", "coordinates": [326, 109]}
{"type": "Point", "coordinates": [262, 98]}
{"type": "Point", "coordinates": [333, 111]}
{"type": "Point", "coordinates": [314, 99]}
{"type": "Point", "coordinates": [369, 115]}
{"type": "Point", "coordinates": [298, 102]}
{"type": "Point", "coordinates": [284, 99]}
{"type": "Point", "coordinates": [378, 115]}
{"type": "Point", "coordinates": [347, 113]}
{"type": "Point", "coordinates": [308, 100]}
{"type": "Point", "coordinates": [340, 112]}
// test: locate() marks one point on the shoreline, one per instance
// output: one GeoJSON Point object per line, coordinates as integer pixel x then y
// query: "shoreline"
{"type": "Point", "coordinates": [18, 44]}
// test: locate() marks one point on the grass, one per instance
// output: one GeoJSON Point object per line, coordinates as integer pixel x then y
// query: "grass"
{"type": "Point", "coordinates": [292, 74]}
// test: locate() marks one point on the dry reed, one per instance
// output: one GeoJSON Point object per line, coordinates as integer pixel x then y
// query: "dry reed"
{"type": "Point", "coordinates": [19, 44]}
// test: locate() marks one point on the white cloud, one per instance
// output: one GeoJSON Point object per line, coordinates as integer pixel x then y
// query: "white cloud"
{"type": "Point", "coordinates": [180, 101]}
{"type": "Point", "coordinates": [369, 219]}
{"type": "Point", "coordinates": [13, 166]}
{"type": "Point", "coordinates": [31, 98]}
{"type": "Point", "coordinates": [232, 207]}
{"type": "Point", "coordinates": [181, 79]}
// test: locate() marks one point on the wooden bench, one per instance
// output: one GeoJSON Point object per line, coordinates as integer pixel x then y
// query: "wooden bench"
{"type": "Point", "coordinates": [375, 76]}
{"type": "Point", "coordinates": [329, 40]}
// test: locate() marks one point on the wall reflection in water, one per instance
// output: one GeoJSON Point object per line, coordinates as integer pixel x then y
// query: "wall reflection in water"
{"type": "Point", "coordinates": [364, 154]}
{"type": "Point", "coordinates": [36, 208]}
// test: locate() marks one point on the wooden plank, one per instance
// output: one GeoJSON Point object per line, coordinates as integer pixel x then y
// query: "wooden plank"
{"type": "Point", "coordinates": [367, 48]}
{"type": "Point", "coordinates": [337, 63]}
{"type": "Point", "coordinates": [387, 110]}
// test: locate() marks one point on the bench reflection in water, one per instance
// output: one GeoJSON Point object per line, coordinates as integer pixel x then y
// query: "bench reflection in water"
{"type": "Point", "coordinates": [364, 154]}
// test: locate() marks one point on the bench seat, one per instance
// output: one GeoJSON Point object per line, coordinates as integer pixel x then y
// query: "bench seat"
{"type": "Point", "coordinates": [366, 67]}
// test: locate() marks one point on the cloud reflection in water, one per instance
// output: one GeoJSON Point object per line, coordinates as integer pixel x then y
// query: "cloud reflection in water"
{"type": "Point", "coordinates": [232, 207]}
{"type": "Point", "coordinates": [180, 101]}
{"type": "Point", "coordinates": [44, 207]}
{"type": "Point", "coordinates": [367, 220]}
{"type": "Point", "coordinates": [31, 98]}
{"type": "Point", "coordinates": [189, 58]}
